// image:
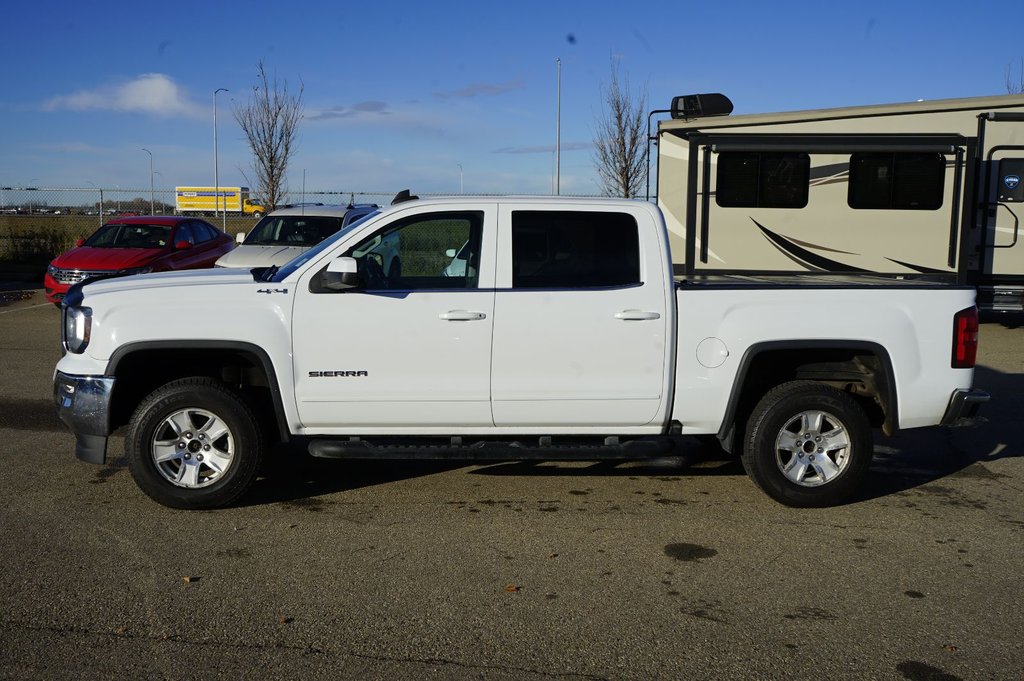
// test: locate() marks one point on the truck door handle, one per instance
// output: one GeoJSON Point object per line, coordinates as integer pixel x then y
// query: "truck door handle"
{"type": "Point", "coordinates": [637, 315]}
{"type": "Point", "coordinates": [462, 316]}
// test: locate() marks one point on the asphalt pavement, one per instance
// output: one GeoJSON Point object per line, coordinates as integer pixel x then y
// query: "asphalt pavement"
{"type": "Point", "coordinates": [339, 570]}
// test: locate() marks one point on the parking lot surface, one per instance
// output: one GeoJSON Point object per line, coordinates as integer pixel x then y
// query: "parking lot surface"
{"type": "Point", "coordinates": [511, 571]}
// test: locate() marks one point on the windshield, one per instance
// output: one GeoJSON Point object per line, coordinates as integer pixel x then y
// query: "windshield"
{"type": "Point", "coordinates": [115, 235]}
{"type": "Point", "coordinates": [292, 230]}
{"type": "Point", "coordinates": [295, 263]}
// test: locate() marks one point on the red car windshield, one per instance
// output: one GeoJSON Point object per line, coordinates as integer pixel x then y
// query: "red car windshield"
{"type": "Point", "coordinates": [114, 235]}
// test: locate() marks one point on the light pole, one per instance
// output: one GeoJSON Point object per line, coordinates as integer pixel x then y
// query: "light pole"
{"type": "Point", "coordinates": [558, 126]}
{"type": "Point", "coordinates": [152, 203]}
{"type": "Point", "coordinates": [101, 200]}
{"type": "Point", "coordinates": [33, 187]}
{"type": "Point", "coordinates": [462, 188]}
{"type": "Point", "coordinates": [157, 172]}
{"type": "Point", "coordinates": [216, 165]}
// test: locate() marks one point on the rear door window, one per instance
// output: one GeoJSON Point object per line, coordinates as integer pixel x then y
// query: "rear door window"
{"type": "Point", "coordinates": [574, 249]}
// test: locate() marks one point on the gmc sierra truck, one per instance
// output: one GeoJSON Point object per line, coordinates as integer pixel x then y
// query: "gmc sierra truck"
{"type": "Point", "coordinates": [561, 333]}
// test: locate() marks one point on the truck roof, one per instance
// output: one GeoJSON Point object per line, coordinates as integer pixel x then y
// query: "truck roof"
{"type": "Point", "coordinates": [524, 199]}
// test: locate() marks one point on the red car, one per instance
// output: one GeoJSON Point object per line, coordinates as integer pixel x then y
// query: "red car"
{"type": "Point", "coordinates": [136, 245]}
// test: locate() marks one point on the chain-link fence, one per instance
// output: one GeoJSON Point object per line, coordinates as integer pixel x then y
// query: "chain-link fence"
{"type": "Point", "coordinates": [38, 223]}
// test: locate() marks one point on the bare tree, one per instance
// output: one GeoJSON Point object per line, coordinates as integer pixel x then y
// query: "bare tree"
{"type": "Point", "coordinates": [1015, 87]}
{"type": "Point", "coordinates": [270, 121]}
{"type": "Point", "coordinates": [619, 155]}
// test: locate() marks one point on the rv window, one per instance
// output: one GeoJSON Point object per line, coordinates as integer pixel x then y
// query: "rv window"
{"type": "Point", "coordinates": [896, 181]}
{"type": "Point", "coordinates": [762, 180]}
{"type": "Point", "coordinates": [574, 249]}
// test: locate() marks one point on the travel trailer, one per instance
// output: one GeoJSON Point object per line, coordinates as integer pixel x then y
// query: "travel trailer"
{"type": "Point", "coordinates": [916, 190]}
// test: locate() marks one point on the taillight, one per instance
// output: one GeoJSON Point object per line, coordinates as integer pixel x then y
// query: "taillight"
{"type": "Point", "coordinates": [965, 338]}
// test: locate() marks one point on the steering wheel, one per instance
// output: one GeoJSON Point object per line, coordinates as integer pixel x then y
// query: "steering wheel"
{"type": "Point", "coordinates": [373, 274]}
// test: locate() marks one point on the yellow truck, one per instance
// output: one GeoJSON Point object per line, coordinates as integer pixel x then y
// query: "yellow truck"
{"type": "Point", "coordinates": [205, 201]}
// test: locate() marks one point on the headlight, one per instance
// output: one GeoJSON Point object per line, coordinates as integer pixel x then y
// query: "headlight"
{"type": "Point", "coordinates": [77, 328]}
{"type": "Point", "coordinates": [51, 270]}
{"type": "Point", "coordinates": [136, 270]}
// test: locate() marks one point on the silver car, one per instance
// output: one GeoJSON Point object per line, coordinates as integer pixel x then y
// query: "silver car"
{"type": "Point", "coordinates": [289, 231]}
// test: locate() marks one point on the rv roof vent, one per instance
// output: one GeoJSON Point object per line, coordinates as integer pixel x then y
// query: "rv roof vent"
{"type": "Point", "coordinates": [696, 106]}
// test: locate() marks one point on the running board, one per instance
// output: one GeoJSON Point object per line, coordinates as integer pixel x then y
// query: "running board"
{"type": "Point", "coordinates": [459, 449]}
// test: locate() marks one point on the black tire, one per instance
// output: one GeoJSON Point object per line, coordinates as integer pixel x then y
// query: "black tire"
{"type": "Point", "coordinates": [213, 468]}
{"type": "Point", "coordinates": [807, 444]}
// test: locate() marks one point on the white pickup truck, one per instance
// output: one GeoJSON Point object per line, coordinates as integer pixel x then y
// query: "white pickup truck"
{"type": "Point", "coordinates": [562, 332]}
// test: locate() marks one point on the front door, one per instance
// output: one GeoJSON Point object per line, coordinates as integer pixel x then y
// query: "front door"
{"type": "Point", "coordinates": [411, 347]}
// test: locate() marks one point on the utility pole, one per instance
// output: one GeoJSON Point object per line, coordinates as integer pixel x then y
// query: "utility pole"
{"type": "Point", "coordinates": [152, 202]}
{"type": "Point", "coordinates": [558, 127]}
{"type": "Point", "coordinates": [216, 166]}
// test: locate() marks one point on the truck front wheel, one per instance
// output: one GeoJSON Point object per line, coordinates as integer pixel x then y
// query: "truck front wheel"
{"type": "Point", "coordinates": [193, 443]}
{"type": "Point", "coordinates": [807, 444]}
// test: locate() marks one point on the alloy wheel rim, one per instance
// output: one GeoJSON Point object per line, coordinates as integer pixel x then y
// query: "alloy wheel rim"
{"type": "Point", "coordinates": [813, 448]}
{"type": "Point", "coordinates": [192, 448]}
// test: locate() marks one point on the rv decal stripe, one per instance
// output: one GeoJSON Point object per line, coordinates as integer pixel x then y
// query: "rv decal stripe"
{"type": "Point", "coordinates": [803, 254]}
{"type": "Point", "coordinates": [829, 170]}
{"type": "Point", "coordinates": [820, 248]}
{"type": "Point", "coordinates": [919, 268]}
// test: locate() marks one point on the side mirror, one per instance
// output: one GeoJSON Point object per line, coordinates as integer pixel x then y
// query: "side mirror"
{"type": "Point", "coordinates": [79, 243]}
{"type": "Point", "coordinates": [341, 274]}
{"type": "Point", "coordinates": [450, 253]}
{"type": "Point", "coordinates": [182, 245]}
{"type": "Point", "coordinates": [239, 238]}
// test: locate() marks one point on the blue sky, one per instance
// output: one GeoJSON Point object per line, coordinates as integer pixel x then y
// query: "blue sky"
{"type": "Point", "coordinates": [400, 94]}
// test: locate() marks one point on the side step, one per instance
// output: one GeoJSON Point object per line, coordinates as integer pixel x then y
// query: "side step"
{"type": "Point", "coordinates": [461, 449]}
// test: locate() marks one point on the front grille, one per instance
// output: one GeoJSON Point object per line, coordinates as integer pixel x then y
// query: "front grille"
{"type": "Point", "coordinates": [74, 276]}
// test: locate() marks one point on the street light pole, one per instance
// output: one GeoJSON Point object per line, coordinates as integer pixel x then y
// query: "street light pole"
{"type": "Point", "coordinates": [33, 183]}
{"type": "Point", "coordinates": [152, 203]}
{"type": "Point", "coordinates": [462, 187]}
{"type": "Point", "coordinates": [558, 126]}
{"type": "Point", "coordinates": [101, 200]}
{"type": "Point", "coordinates": [216, 165]}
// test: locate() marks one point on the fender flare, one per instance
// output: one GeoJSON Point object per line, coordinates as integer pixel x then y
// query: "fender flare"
{"type": "Point", "coordinates": [247, 348]}
{"type": "Point", "coordinates": [887, 384]}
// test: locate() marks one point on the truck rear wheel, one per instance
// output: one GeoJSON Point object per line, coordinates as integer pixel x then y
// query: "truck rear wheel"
{"type": "Point", "coordinates": [193, 443]}
{"type": "Point", "coordinates": [807, 444]}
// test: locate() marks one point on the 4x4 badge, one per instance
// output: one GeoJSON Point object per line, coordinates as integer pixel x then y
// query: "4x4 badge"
{"type": "Point", "coordinates": [271, 290]}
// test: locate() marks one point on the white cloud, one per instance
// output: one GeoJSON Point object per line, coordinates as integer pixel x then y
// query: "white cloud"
{"type": "Point", "coordinates": [151, 93]}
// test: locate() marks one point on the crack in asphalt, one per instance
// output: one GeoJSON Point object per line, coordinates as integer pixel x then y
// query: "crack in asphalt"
{"type": "Point", "coordinates": [304, 650]}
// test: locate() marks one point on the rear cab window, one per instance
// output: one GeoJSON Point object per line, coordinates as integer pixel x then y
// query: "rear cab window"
{"type": "Point", "coordinates": [574, 249]}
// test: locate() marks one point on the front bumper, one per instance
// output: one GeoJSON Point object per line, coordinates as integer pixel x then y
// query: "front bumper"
{"type": "Point", "coordinates": [83, 404]}
{"type": "Point", "coordinates": [963, 407]}
{"type": "Point", "coordinates": [55, 291]}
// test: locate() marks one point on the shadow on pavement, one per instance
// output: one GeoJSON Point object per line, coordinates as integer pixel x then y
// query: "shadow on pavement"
{"type": "Point", "coordinates": [917, 457]}
{"type": "Point", "coordinates": [294, 475]}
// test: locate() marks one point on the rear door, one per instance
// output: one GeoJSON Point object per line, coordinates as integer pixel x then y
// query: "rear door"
{"type": "Point", "coordinates": [580, 331]}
